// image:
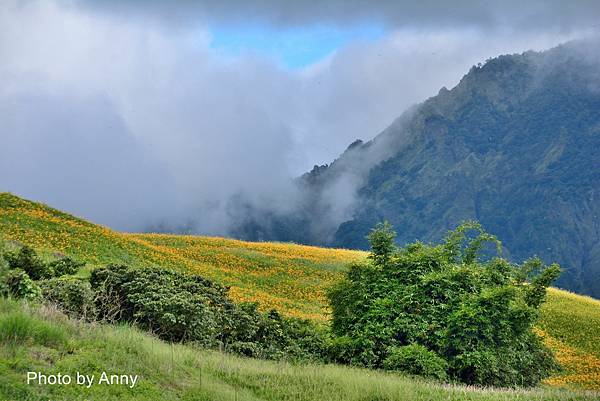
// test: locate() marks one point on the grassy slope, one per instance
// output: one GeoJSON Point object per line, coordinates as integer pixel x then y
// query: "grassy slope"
{"type": "Point", "coordinates": [571, 324]}
{"type": "Point", "coordinates": [43, 340]}
{"type": "Point", "coordinates": [291, 278]}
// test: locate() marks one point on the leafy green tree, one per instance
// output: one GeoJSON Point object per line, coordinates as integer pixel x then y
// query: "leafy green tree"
{"type": "Point", "coordinates": [448, 301]}
{"type": "Point", "coordinates": [381, 239]}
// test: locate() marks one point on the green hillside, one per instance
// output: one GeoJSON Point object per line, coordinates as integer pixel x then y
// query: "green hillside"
{"type": "Point", "coordinates": [289, 277]}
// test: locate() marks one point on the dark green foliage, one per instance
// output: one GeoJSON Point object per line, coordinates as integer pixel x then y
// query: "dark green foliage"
{"type": "Point", "coordinates": [27, 260]}
{"type": "Point", "coordinates": [475, 313]}
{"type": "Point", "coordinates": [73, 296]}
{"type": "Point", "coordinates": [524, 363]}
{"type": "Point", "coordinates": [174, 306]}
{"type": "Point", "coordinates": [417, 360]}
{"type": "Point", "coordinates": [25, 272]}
{"type": "Point", "coordinates": [536, 292]}
{"type": "Point", "coordinates": [272, 336]}
{"type": "Point", "coordinates": [381, 239]}
{"type": "Point", "coordinates": [65, 266]}
{"type": "Point", "coordinates": [343, 350]}
{"type": "Point", "coordinates": [182, 307]}
{"type": "Point", "coordinates": [19, 285]}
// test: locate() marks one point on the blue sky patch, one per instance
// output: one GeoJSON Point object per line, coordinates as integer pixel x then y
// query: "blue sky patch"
{"type": "Point", "coordinates": [294, 48]}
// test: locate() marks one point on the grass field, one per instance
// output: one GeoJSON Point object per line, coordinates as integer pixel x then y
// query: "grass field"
{"type": "Point", "coordinates": [291, 278]}
{"type": "Point", "coordinates": [41, 339]}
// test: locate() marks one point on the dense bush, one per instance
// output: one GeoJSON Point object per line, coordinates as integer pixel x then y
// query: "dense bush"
{"type": "Point", "coordinates": [27, 260]}
{"type": "Point", "coordinates": [25, 270]}
{"type": "Point", "coordinates": [475, 313]}
{"type": "Point", "coordinates": [252, 333]}
{"type": "Point", "coordinates": [182, 307]}
{"type": "Point", "coordinates": [18, 284]}
{"type": "Point", "coordinates": [416, 359]}
{"type": "Point", "coordinates": [14, 281]}
{"type": "Point", "coordinates": [3, 271]}
{"type": "Point", "coordinates": [174, 306]}
{"type": "Point", "coordinates": [65, 266]}
{"type": "Point", "coordinates": [74, 296]}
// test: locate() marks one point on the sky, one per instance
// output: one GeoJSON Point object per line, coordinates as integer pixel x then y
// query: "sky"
{"type": "Point", "coordinates": [294, 47]}
{"type": "Point", "coordinates": [151, 114]}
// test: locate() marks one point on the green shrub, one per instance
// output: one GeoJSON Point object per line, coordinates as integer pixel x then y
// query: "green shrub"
{"type": "Point", "coordinates": [305, 340]}
{"type": "Point", "coordinates": [476, 314]}
{"type": "Point", "coordinates": [280, 337]}
{"type": "Point", "coordinates": [343, 350]}
{"type": "Point", "coordinates": [20, 286]}
{"type": "Point", "coordinates": [65, 266]}
{"type": "Point", "coordinates": [252, 333]}
{"type": "Point", "coordinates": [175, 306]}
{"type": "Point", "coordinates": [506, 365]}
{"type": "Point", "coordinates": [3, 251]}
{"type": "Point", "coordinates": [4, 289]}
{"type": "Point", "coordinates": [182, 307]}
{"type": "Point", "coordinates": [73, 296]}
{"type": "Point", "coordinates": [417, 360]}
{"type": "Point", "coordinates": [27, 260]}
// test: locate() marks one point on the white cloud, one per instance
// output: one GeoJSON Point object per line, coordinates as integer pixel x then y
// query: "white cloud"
{"type": "Point", "coordinates": [130, 123]}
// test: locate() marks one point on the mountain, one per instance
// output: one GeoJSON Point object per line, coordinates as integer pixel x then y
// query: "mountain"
{"type": "Point", "coordinates": [515, 145]}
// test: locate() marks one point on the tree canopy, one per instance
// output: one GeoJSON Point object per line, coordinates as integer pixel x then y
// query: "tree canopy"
{"type": "Point", "coordinates": [453, 310]}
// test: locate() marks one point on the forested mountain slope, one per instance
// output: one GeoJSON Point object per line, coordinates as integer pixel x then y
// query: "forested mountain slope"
{"type": "Point", "coordinates": [515, 145]}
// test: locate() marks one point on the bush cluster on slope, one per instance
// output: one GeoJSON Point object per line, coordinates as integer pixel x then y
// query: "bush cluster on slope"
{"type": "Point", "coordinates": [183, 307]}
{"type": "Point", "coordinates": [175, 306]}
{"type": "Point", "coordinates": [441, 311]}
{"type": "Point", "coordinates": [26, 271]}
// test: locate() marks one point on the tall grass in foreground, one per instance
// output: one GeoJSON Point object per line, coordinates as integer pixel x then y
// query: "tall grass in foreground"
{"type": "Point", "coordinates": [178, 372]}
